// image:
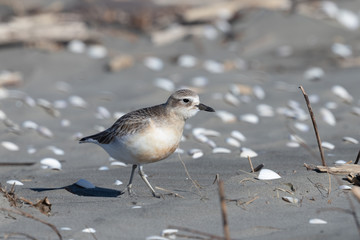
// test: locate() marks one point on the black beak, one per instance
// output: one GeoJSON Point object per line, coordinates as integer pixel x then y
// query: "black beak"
{"type": "Point", "coordinates": [203, 107]}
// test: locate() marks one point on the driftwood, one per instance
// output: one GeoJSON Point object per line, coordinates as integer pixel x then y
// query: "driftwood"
{"type": "Point", "coordinates": [44, 28]}
{"type": "Point", "coordinates": [341, 169]}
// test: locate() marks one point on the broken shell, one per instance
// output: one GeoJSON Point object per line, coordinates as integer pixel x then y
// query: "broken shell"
{"type": "Point", "coordinates": [345, 187]}
{"type": "Point", "coordinates": [103, 168]}
{"type": "Point", "coordinates": [85, 184]}
{"type": "Point", "coordinates": [213, 66]}
{"type": "Point", "coordinates": [118, 163]}
{"type": "Point", "coordinates": [265, 110]}
{"type": "Point", "coordinates": [293, 144]}
{"type": "Point", "coordinates": [48, 107]}
{"type": "Point", "coordinates": [328, 145]}
{"type": "Point", "coordinates": [267, 174]}
{"type": "Point", "coordinates": [16, 182]}
{"type": "Point", "coordinates": [2, 115]}
{"type": "Point", "coordinates": [56, 150]}
{"type": "Point", "coordinates": [187, 61]}
{"type": "Point", "coordinates": [231, 99]}
{"type": "Point", "coordinates": [156, 238]}
{"type": "Point", "coordinates": [103, 113]}
{"type": "Point", "coordinates": [65, 228]}
{"type": "Point", "coordinates": [77, 101]}
{"type": "Point", "coordinates": [154, 63]}
{"type": "Point", "coordinates": [10, 146]}
{"type": "Point", "coordinates": [250, 118]}
{"type": "Point", "coordinates": [164, 84]}
{"type": "Point", "coordinates": [65, 123]}
{"type": "Point", "coordinates": [97, 51]}
{"type": "Point", "coordinates": [195, 153]}
{"type": "Point", "coordinates": [314, 73]}
{"type": "Point", "coordinates": [247, 152]}
{"type": "Point", "coordinates": [302, 126]}
{"type": "Point", "coordinates": [238, 135]}
{"type": "Point", "coordinates": [348, 19]}
{"type": "Point", "coordinates": [118, 182]}
{"type": "Point", "coordinates": [350, 140]}
{"type": "Point", "coordinates": [169, 233]}
{"type": "Point", "coordinates": [51, 163]}
{"type": "Point", "coordinates": [221, 150]}
{"type": "Point", "coordinates": [329, 8]}
{"type": "Point", "coordinates": [342, 93]}
{"type": "Point", "coordinates": [31, 150]}
{"type": "Point", "coordinates": [60, 104]}
{"type": "Point", "coordinates": [89, 230]}
{"type": "Point", "coordinates": [225, 116]}
{"type": "Point", "coordinates": [341, 50]}
{"type": "Point", "coordinates": [199, 81]}
{"type": "Point", "coordinates": [232, 142]}
{"type": "Point", "coordinates": [259, 92]}
{"type": "Point", "coordinates": [328, 116]}
{"type": "Point", "coordinates": [204, 131]}
{"type": "Point", "coordinates": [356, 110]}
{"type": "Point", "coordinates": [340, 162]}
{"type": "Point", "coordinates": [290, 199]}
{"type": "Point", "coordinates": [76, 46]}
{"type": "Point", "coordinates": [63, 86]}
{"type": "Point", "coordinates": [317, 221]}
{"type": "Point", "coordinates": [45, 132]}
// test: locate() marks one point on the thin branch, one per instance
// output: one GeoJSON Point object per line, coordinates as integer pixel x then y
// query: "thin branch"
{"type": "Point", "coordinates": [357, 158]}
{"type": "Point", "coordinates": [251, 165]}
{"type": "Point", "coordinates": [223, 210]}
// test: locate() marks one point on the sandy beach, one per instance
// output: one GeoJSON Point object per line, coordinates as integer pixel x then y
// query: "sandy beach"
{"type": "Point", "coordinates": [264, 65]}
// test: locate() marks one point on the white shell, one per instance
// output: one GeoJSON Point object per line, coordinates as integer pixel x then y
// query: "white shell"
{"type": "Point", "coordinates": [51, 163]}
{"type": "Point", "coordinates": [238, 135]}
{"type": "Point", "coordinates": [302, 126]}
{"type": "Point", "coordinates": [118, 182]}
{"type": "Point", "coordinates": [195, 153]}
{"type": "Point", "coordinates": [342, 93]}
{"type": "Point", "coordinates": [341, 50]}
{"type": "Point", "coordinates": [247, 152]}
{"type": "Point", "coordinates": [45, 132]}
{"type": "Point", "coordinates": [340, 162]}
{"type": "Point", "coordinates": [356, 110]}
{"type": "Point", "coordinates": [16, 182]}
{"type": "Point", "coordinates": [293, 144]}
{"type": "Point", "coordinates": [213, 66]}
{"type": "Point", "coordinates": [267, 174]}
{"type": "Point", "coordinates": [154, 63]}
{"type": "Point", "coordinates": [31, 150]}
{"type": "Point", "coordinates": [221, 150]}
{"type": "Point", "coordinates": [77, 101]}
{"type": "Point", "coordinates": [63, 86]}
{"type": "Point", "coordinates": [350, 140]}
{"type": "Point", "coordinates": [60, 104]}
{"type": "Point", "coordinates": [328, 116]}
{"type": "Point", "coordinates": [10, 146]}
{"type": "Point", "coordinates": [89, 230]}
{"type": "Point", "coordinates": [329, 8]}
{"type": "Point", "coordinates": [187, 61]}
{"type": "Point", "coordinates": [103, 168]}
{"type": "Point", "coordinates": [2, 115]}
{"type": "Point", "coordinates": [232, 142]}
{"type": "Point", "coordinates": [348, 19]}
{"type": "Point", "coordinates": [231, 99]}
{"type": "Point", "coordinates": [118, 163]}
{"type": "Point", "coordinates": [56, 150]}
{"type": "Point", "coordinates": [103, 113]}
{"type": "Point", "coordinates": [65, 123]}
{"type": "Point", "coordinates": [85, 184]}
{"type": "Point", "coordinates": [345, 187]}
{"type": "Point", "coordinates": [331, 105]}
{"type": "Point", "coordinates": [65, 228]}
{"type": "Point", "coordinates": [314, 73]}
{"type": "Point", "coordinates": [290, 199]}
{"type": "Point", "coordinates": [317, 221]}
{"type": "Point", "coordinates": [30, 125]}
{"type": "Point", "coordinates": [164, 84]}
{"type": "Point", "coordinates": [156, 238]}
{"type": "Point", "coordinates": [199, 81]}
{"type": "Point", "coordinates": [225, 116]}
{"type": "Point", "coordinates": [76, 46]}
{"type": "Point", "coordinates": [169, 233]}
{"type": "Point", "coordinates": [265, 110]}
{"type": "Point", "coordinates": [250, 118]}
{"type": "Point", "coordinates": [259, 92]}
{"type": "Point", "coordinates": [328, 145]}
{"type": "Point", "coordinates": [97, 51]}
{"type": "Point", "coordinates": [206, 132]}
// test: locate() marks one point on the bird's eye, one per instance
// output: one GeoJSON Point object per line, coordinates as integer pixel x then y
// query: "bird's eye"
{"type": "Point", "coordinates": [185, 100]}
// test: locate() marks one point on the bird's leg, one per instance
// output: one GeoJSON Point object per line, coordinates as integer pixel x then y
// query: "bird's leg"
{"type": "Point", "coordinates": [143, 176]}
{"type": "Point", "coordinates": [131, 179]}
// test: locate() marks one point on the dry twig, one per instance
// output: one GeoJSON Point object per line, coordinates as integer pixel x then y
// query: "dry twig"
{"type": "Point", "coordinates": [223, 210]}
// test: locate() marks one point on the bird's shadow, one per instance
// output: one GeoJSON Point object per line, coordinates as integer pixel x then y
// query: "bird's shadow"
{"type": "Point", "coordinates": [87, 192]}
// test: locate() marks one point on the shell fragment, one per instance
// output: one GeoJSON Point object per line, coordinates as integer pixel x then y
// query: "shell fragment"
{"type": "Point", "coordinates": [267, 174]}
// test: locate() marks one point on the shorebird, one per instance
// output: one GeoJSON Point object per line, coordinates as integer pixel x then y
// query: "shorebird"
{"type": "Point", "coordinates": [149, 134]}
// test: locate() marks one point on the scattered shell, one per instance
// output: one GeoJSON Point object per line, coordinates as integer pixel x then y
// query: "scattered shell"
{"type": "Point", "coordinates": [267, 174]}
{"type": "Point", "coordinates": [232, 142]}
{"type": "Point", "coordinates": [317, 221]}
{"type": "Point", "coordinates": [65, 123]}
{"type": "Point", "coordinates": [118, 115]}
{"type": "Point", "coordinates": [136, 207]}
{"type": "Point", "coordinates": [221, 150]}
{"type": "Point", "coordinates": [77, 136]}
{"type": "Point", "coordinates": [296, 138]}
{"type": "Point", "coordinates": [60, 104]}
{"type": "Point", "coordinates": [10, 146]}
{"type": "Point", "coordinates": [293, 144]}
{"type": "Point", "coordinates": [77, 101]}
{"type": "Point", "coordinates": [231, 99]}
{"type": "Point", "coordinates": [45, 132]}
{"type": "Point", "coordinates": [328, 116]}
{"type": "Point", "coordinates": [179, 151]}
{"type": "Point", "coordinates": [31, 150]}
{"type": "Point", "coordinates": [356, 110]}
{"type": "Point", "coordinates": [195, 153]}
{"type": "Point", "coordinates": [331, 105]}
{"type": "Point", "coordinates": [204, 131]}
{"type": "Point", "coordinates": [348, 19]}
{"type": "Point", "coordinates": [187, 61]}
{"type": "Point", "coordinates": [29, 101]}
{"type": "Point", "coordinates": [51, 163]}
{"type": "Point", "coordinates": [313, 98]}
{"type": "Point", "coordinates": [265, 110]}
{"type": "Point", "coordinates": [302, 126]}
{"type": "Point", "coordinates": [342, 93]}
{"type": "Point", "coordinates": [213, 66]}
{"type": "Point", "coordinates": [250, 118]}
{"type": "Point", "coordinates": [259, 92]}
{"type": "Point", "coordinates": [97, 51]}
{"type": "Point", "coordinates": [8, 78]}
{"type": "Point", "coordinates": [247, 152]}
{"type": "Point", "coordinates": [290, 199]}
{"type": "Point", "coordinates": [345, 187]}
{"type": "Point", "coordinates": [85, 184]}
{"type": "Point", "coordinates": [156, 238]}
{"type": "Point", "coordinates": [350, 140]}
{"type": "Point", "coordinates": [225, 116]}
{"type": "Point", "coordinates": [340, 162]}
{"type": "Point", "coordinates": [16, 182]}
{"type": "Point", "coordinates": [121, 62]}
{"type": "Point", "coordinates": [238, 135]}
{"type": "Point", "coordinates": [118, 182]}
{"type": "Point", "coordinates": [341, 50]}
{"type": "Point", "coordinates": [76, 46]}
{"type": "Point", "coordinates": [199, 81]}
{"type": "Point", "coordinates": [48, 107]}
{"type": "Point", "coordinates": [89, 230]}
{"type": "Point", "coordinates": [314, 73]}
{"type": "Point", "coordinates": [154, 63]}
{"type": "Point", "coordinates": [56, 150]}
{"type": "Point", "coordinates": [103, 113]}
{"type": "Point", "coordinates": [63, 86]}
{"type": "Point", "coordinates": [103, 168]}
{"type": "Point", "coordinates": [65, 228]}
{"type": "Point", "coordinates": [165, 84]}
{"type": "Point", "coordinates": [328, 145]}
{"type": "Point", "coordinates": [118, 163]}
{"type": "Point", "coordinates": [169, 233]}
{"type": "Point", "coordinates": [2, 115]}
{"type": "Point", "coordinates": [329, 8]}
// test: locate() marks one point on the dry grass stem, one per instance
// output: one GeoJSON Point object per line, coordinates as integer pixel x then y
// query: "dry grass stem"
{"type": "Point", "coordinates": [224, 210]}
{"type": "Point", "coordinates": [251, 165]}
{"type": "Point", "coordinates": [357, 158]}
{"type": "Point", "coordinates": [169, 192]}
{"type": "Point", "coordinates": [196, 184]}
{"type": "Point", "coordinates": [315, 126]}
{"type": "Point", "coordinates": [197, 232]}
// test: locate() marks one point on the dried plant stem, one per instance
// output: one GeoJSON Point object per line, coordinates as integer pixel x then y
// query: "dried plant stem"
{"type": "Point", "coordinates": [28, 215]}
{"type": "Point", "coordinates": [251, 165]}
{"type": "Point", "coordinates": [193, 231]}
{"type": "Point", "coordinates": [188, 174]}
{"type": "Point", "coordinates": [357, 158]}
{"type": "Point", "coordinates": [223, 210]}
{"type": "Point", "coordinates": [315, 126]}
